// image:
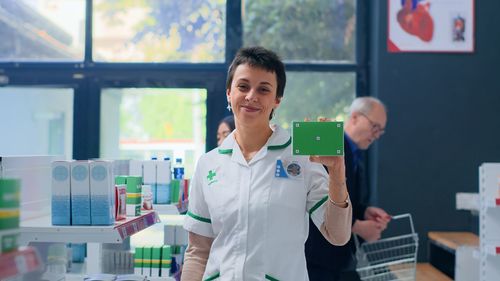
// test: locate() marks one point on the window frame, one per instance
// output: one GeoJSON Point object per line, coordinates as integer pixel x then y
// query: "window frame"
{"type": "Point", "coordinates": [87, 78]}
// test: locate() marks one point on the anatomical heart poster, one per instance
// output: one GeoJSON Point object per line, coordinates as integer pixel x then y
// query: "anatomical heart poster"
{"type": "Point", "coordinates": [430, 26]}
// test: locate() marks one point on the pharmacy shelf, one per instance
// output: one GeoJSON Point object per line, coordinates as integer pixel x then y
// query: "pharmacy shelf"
{"type": "Point", "coordinates": [80, 277]}
{"type": "Point", "coordinates": [19, 262]}
{"type": "Point", "coordinates": [161, 279]}
{"type": "Point", "coordinates": [41, 230]}
{"type": "Point", "coordinates": [166, 209]}
{"type": "Point", "coordinates": [489, 218]}
{"type": "Point", "coordinates": [494, 203]}
{"type": "Point", "coordinates": [492, 250]}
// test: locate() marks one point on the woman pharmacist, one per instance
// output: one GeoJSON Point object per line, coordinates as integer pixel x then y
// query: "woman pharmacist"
{"type": "Point", "coordinates": [250, 197]}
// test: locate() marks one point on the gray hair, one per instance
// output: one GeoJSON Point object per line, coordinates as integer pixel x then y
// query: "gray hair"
{"type": "Point", "coordinates": [364, 105]}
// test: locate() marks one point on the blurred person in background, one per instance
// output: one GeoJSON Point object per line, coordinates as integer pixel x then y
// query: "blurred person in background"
{"type": "Point", "coordinates": [226, 126]}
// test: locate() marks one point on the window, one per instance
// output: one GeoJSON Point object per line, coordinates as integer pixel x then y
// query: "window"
{"type": "Point", "coordinates": [140, 123]}
{"type": "Point", "coordinates": [148, 56]}
{"type": "Point", "coordinates": [159, 31]}
{"type": "Point", "coordinates": [42, 30]}
{"type": "Point", "coordinates": [43, 121]}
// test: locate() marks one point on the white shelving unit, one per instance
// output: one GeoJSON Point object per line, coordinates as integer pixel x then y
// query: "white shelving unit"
{"type": "Point", "coordinates": [41, 230]}
{"type": "Point", "coordinates": [489, 221]}
{"type": "Point", "coordinates": [166, 209]}
{"type": "Point", "coordinates": [79, 277]}
{"type": "Point", "coordinates": [18, 262]}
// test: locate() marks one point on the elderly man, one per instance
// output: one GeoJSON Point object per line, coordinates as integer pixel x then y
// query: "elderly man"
{"type": "Point", "coordinates": [366, 123]}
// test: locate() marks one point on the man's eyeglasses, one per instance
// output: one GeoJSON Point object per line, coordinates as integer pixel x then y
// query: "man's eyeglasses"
{"type": "Point", "coordinates": [376, 128]}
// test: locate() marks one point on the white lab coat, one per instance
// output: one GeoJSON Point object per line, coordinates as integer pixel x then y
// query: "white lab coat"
{"type": "Point", "coordinates": [256, 212]}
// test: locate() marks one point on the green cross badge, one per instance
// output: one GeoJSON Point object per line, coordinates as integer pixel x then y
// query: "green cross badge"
{"type": "Point", "coordinates": [211, 177]}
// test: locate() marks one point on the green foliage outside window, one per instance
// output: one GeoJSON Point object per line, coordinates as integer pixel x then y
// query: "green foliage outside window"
{"type": "Point", "coordinates": [161, 114]}
{"type": "Point", "coordinates": [302, 30]}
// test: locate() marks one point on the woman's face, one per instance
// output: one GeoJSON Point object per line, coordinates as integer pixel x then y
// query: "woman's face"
{"type": "Point", "coordinates": [222, 132]}
{"type": "Point", "coordinates": [253, 94]}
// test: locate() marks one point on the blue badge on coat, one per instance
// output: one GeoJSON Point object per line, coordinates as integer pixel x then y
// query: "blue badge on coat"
{"type": "Point", "coordinates": [293, 169]}
{"type": "Point", "coordinates": [280, 171]}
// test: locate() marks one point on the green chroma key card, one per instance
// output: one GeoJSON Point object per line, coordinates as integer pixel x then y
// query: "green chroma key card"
{"type": "Point", "coordinates": [318, 138]}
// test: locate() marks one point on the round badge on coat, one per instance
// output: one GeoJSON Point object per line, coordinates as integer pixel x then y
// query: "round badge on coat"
{"type": "Point", "coordinates": [293, 169]}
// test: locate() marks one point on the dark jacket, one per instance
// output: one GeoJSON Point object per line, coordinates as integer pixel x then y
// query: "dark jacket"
{"type": "Point", "coordinates": [325, 261]}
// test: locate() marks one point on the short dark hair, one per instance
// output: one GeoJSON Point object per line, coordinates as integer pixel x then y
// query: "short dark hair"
{"type": "Point", "coordinates": [229, 121]}
{"type": "Point", "coordinates": [262, 58]}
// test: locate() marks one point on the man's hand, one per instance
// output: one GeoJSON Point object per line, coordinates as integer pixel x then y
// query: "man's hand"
{"type": "Point", "coordinates": [369, 230]}
{"type": "Point", "coordinates": [378, 215]}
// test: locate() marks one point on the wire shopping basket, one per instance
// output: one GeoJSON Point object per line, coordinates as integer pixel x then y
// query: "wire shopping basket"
{"type": "Point", "coordinates": [388, 259]}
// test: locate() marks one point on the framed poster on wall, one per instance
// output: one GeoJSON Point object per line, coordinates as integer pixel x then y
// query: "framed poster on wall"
{"type": "Point", "coordinates": [430, 26]}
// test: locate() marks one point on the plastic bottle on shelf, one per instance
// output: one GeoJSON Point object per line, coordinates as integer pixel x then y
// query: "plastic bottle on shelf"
{"type": "Point", "coordinates": [57, 259]}
{"type": "Point", "coordinates": [178, 169]}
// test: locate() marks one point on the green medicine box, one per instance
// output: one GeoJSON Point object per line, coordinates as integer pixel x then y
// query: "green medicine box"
{"type": "Point", "coordinates": [9, 203]}
{"type": "Point", "coordinates": [9, 193]}
{"type": "Point", "coordinates": [146, 260]}
{"type": "Point", "coordinates": [318, 138]}
{"type": "Point", "coordinates": [166, 260]}
{"type": "Point", "coordinates": [138, 259]}
{"type": "Point", "coordinates": [8, 242]}
{"type": "Point", "coordinates": [120, 180]}
{"type": "Point", "coordinates": [155, 261]}
{"type": "Point", "coordinates": [134, 190]}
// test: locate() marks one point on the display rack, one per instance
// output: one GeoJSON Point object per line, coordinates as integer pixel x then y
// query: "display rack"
{"type": "Point", "coordinates": [489, 221]}
{"type": "Point", "coordinates": [41, 230]}
{"type": "Point", "coordinates": [80, 277]}
{"type": "Point", "coordinates": [166, 209]}
{"type": "Point", "coordinates": [19, 262]}
{"type": "Point", "coordinates": [495, 202]}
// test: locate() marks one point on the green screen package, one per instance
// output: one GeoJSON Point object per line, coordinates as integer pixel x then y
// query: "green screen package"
{"type": "Point", "coordinates": [318, 138]}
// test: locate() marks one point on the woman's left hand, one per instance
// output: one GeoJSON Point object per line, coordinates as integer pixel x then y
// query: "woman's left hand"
{"type": "Point", "coordinates": [335, 165]}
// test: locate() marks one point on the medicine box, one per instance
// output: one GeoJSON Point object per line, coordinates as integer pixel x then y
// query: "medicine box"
{"type": "Point", "coordinates": [61, 193]}
{"type": "Point", "coordinates": [80, 193]}
{"type": "Point", "coordinates": [102, 193]}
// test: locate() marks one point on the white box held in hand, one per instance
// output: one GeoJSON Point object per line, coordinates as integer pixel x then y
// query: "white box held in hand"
{"type": "Point", "coordinates": [102, 193]}
{"type": "Point", "coordinates": [80, 193]}
{"type": "Point", "coordinates": [61, 193]}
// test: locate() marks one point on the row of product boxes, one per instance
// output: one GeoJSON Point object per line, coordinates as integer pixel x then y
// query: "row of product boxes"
{"type": "Point", "coordinates": [88, 193]}
{"type": "Point", "coordinates": [156, 261]}
{"type": "Point", "coordinates": [158, 175]}
{"type": "Point", "coordinates": [84, 193]}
